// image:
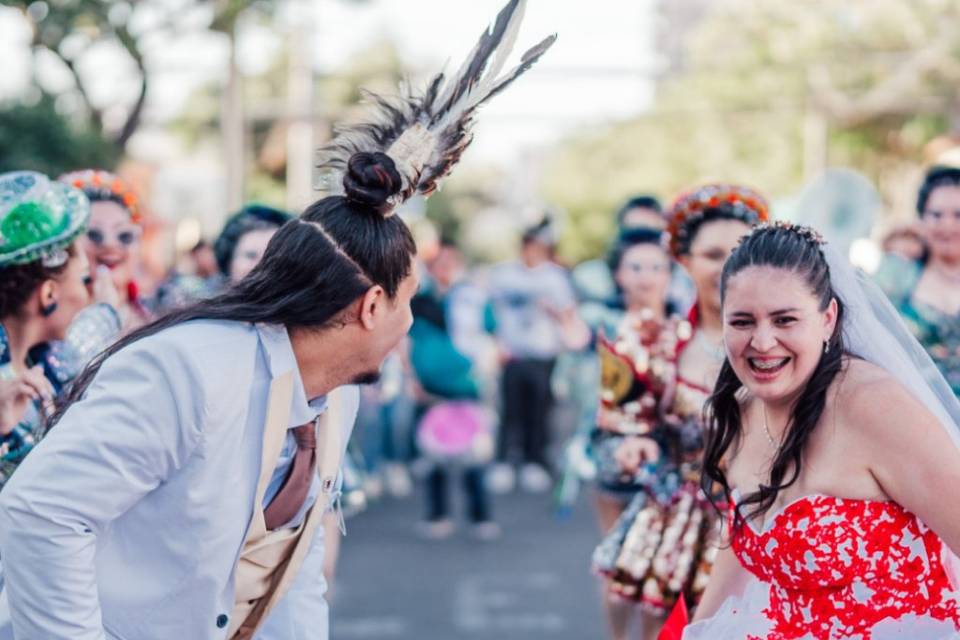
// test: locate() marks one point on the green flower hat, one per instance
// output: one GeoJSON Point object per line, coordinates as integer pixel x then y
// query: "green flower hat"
{"type": "Point", "coordinates": [39, 218]}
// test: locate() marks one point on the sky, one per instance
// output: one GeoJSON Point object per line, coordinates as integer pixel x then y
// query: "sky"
{"type": "Point", "coordinates": [599, 70]}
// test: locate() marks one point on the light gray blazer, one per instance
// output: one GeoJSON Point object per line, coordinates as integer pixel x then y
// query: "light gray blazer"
{"type": "Point", "coordinates": [126, 522]}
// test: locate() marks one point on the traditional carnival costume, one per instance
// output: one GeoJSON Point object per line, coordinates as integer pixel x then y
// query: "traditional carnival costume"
{"type": "Point", "coordinates": [39, 219]}
{"type": "Point", "coordinates": [664, 544]}
{"type": "Point", "coordinates": [636, 352]}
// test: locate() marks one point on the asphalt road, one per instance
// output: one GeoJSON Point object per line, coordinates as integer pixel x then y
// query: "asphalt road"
{"type": "Point", "coordinates": [533, 582]}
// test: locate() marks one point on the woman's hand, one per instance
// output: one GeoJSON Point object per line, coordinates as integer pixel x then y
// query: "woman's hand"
{"type": "Point", "coordinates": [636, 451]}
{"type": "Point", "coordinates": [17, 394]}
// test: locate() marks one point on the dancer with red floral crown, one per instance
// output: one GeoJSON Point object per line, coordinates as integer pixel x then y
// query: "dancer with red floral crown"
{"type": "Point", "coordinates": [663, 546]}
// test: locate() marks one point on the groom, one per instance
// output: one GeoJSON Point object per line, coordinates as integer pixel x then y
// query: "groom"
{"type": "Point", "coordinates": [180, 496]}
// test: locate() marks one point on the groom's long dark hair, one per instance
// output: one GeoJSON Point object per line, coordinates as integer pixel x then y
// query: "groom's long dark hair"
{"type": "Point", "coordinates": [313, 268]}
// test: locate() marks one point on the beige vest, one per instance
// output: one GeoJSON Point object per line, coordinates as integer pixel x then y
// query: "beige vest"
{"type": "Point", "coordinates": [270, 560]}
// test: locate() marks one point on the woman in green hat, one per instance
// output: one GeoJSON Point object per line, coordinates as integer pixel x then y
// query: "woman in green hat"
{"type": "Point", "coordinates": [45, 284]}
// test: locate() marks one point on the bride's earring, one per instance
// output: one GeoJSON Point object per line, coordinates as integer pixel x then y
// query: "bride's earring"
{"type": "Point", "coordinates": [826, 347]}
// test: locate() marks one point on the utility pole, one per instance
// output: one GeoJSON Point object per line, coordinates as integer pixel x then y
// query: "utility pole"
{"type": "Point", "coordinates": [300, 106]}
{"type": "Point", "coordinates": [233, 128]}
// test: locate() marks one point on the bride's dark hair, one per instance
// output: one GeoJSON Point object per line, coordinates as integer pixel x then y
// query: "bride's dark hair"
{"type": "Point", "coordinates": [794, 249]}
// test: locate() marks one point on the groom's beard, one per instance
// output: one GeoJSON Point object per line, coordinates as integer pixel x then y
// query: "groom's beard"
{"type": "Point", "coordinates": [370, 377]}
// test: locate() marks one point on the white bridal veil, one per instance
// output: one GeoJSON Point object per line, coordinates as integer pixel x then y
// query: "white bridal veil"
{"type": "Point", "coordinates": [874, 331]}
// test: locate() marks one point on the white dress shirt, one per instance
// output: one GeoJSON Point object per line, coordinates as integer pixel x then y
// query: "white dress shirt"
{"type": "Point", "coordinates": [127, 520]}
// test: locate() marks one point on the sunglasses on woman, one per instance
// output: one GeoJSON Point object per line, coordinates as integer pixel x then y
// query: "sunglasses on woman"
{"type": "Point", "coordinates": [125, 237]}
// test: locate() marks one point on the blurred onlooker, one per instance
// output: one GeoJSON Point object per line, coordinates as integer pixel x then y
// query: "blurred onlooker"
{"type": "Point", "coordinates": [240, 246]}
{"type": "Point", "coordinates": [113, 237]}
{"type": "Point", "coordinates": [926, 290]}
{"type": "Point", "coordinates": [905, 241]}
{"type": "Point", "coordinates": [47, 331]}
{"type": "Point", "coordinates": [383, 429]}
{"type": "Point", "coordinates": [235, 252]}
{"type": "Point", "coordinates": [201, 279]}
{"type": "Point", "coordinates": [204, 260]}
{"type": "Point", "coordinates": [446, 337]}
{"type": "Point", "coordinates": [536, 320]}
{"type": "Point", "coordinates": [592, 278]}
{"type": "Point", "coordinates": [641, 211]}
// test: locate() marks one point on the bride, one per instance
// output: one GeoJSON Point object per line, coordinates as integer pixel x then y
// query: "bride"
{"type": "Point", "coordinates": [835, 441]}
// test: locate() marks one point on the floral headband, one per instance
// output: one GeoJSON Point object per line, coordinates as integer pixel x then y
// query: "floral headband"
{"type": "Point", "coordinates": [102, 185]}
{"type": "Point", "coordinates": [745, 204]}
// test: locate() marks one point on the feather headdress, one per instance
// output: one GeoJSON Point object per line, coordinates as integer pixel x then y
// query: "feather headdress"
{"type": "Point", "coordinates": [426, 134]}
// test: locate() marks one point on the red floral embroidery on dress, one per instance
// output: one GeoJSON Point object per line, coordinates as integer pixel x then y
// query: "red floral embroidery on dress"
{"type": "Point", "coordinates": [838, 567]}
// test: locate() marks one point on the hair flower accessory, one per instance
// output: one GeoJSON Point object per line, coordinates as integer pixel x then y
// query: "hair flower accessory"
{"type": "Point", "coordinates": [808, 233]}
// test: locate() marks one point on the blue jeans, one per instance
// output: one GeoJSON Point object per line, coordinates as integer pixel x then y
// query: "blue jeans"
{"type": "Point", "coordinates": [474, 487]}
{"type": "Point", "coordinates": [384, 431]}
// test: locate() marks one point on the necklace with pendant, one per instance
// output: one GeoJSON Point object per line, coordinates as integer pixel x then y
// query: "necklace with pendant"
{"type": "Point", "coordinates": [766, 428]}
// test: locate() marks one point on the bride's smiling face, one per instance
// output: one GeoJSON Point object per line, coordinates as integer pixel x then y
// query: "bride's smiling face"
{"type": "Point", "coordinates": [774, 331]}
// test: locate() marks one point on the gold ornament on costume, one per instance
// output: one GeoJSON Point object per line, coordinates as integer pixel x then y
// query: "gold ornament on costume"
{"type": "Point", "coordinates": [616, 373]}
{"type": "Point", "coordinates": [636, 369]}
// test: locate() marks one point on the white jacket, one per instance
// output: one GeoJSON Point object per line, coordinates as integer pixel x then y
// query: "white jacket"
{"type": "Point", "coordinates": [126, 522]}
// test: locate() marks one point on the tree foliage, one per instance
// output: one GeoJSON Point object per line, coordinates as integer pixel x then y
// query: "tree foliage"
{"type": "Point", "coordinates": [69, 29]}
{"type": "Point", "coordinates": [767, 93]}
{"type": "Point", "coordinates": [39, 138]}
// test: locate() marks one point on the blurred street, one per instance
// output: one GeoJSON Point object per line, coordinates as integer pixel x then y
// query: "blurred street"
{"type": "Point", "coordinates": [532, 583]}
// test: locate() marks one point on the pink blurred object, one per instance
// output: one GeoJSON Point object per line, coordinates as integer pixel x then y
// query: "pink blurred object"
{"type": "Point", "coordinates": [457, 430]}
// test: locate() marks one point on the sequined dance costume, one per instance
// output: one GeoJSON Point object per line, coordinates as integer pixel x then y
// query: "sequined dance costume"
{"type": "Point", "coordinates": [828, 568]}
{"type": "Point", "coordinates": [91, 331]}
{"type": "Point", "coordinates": [665, 542]}
{"type": "Point", "coordinates": [636, 369]}
{"type": "Point", "coordinates": [637, 372]}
